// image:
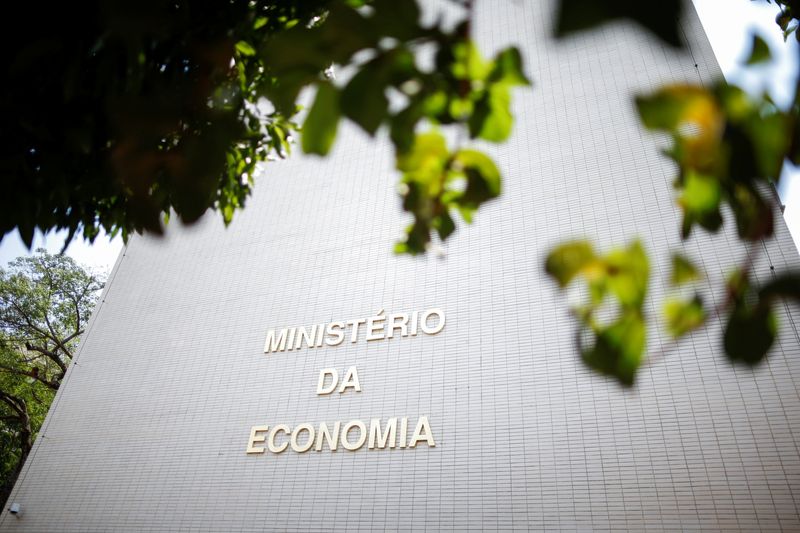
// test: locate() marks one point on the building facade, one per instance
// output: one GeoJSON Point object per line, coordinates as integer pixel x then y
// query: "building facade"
{"type": "Point", "coordinates": [494, 421]}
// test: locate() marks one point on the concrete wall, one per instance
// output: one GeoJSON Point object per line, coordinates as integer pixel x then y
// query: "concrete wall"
{"type": "Point", "coordinates": [149, 430]}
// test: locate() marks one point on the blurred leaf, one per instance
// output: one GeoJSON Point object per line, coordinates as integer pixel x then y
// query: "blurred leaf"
{"type": "Point", "coordinates": [426, 160]}
{"type": "Point", "coordinates": [507, 68]}
{"type": "Point", "coordinates": [701, 194]}
{"type": "Point", "coordinates": [628, 274]}
{"type": "Point", "coordinates": [786, 285]}
{"type": "Point", "coordinates": [445, 225]}
{"type": "Point", "coordinates": [467, 62]}
{"type": "Point", "coordinates": [364, 100]}
{"type": "Point", "coordinates": [759, 52]}
{"type": "Point", "coordinates": [683, 317]}
{"type": "Point", "coordinates": [319, 129]}
{"type": "Point", "coordinates": [754, 215]}
{"type": "Point", "coordinates": [750, 333]}
{"type": "Point", "coordinates": [483, 178]}
{"type": "Point", "coordinates": [619, 348]}
{"type": "Point", "coordinates": [492, 120]}
{"type": "Point", "coordinates": [661, 18]}
{"type": "Point", "coordinates": [397, 18]}
{"type": "Point", "coordinates": [244, 48]}
{"type": "Point", "coordinates": [683, 271]}
{"type": "Point", "coordinates": [403, 126]}
{"type": "Point", "coordinates": [567, 260]}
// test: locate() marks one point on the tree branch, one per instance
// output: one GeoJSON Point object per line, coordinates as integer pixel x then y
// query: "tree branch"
{"type": "Point", "coordinates": [50, 354]}
{"type": "Point", "coordinates": [35, 374]}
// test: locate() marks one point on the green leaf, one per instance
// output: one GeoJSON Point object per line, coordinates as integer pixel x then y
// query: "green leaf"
{"type": "Point", "coordinates": [786, 285]}
{"type": "Point", "coordinates": [364, 100]}
{"type": "Point", "coordinates": [759, 51]}
{"type": "Point", "coordinates": [467, 62]}
{"type": "Point", "coordinates": [418, 235]}
{"type": "Point", "coordinates": [403, 126]}
{"type": "Point", "coordinates": [660, 110]}
{"type": "Point", "coordinates": [319, 129]}
{"type": "Point", "coordinates": [701, 194]}
{"type": "Point", "coordinates": [444, 225]}
{"type": "Point", "coordinates": [754, 215]}
{"type": "Point", "coordinates": [508, 68]}
{"type": "Point", "coordinates": [427, 158]}
{"type": "Point", "coordinates": [618, 349]}
{"type": "Point", "coordinates": [749, 333]}
{"type": "Point", "coordinates": [497, 119]}
{"type": "Point", "coordinates": [660, 17]}
{"type": "Point", "coordinates": [244, 48]}
{"type": "Point", "coordinates": [397, 18]}
{"type": "Point", "coordinates": [770, 136]}
{"type": "Point", "coordinates": [683, 317]}
{"type": "Point", "coordinates": [628, 273]}
{"type": "Point", "coordinates": [683, 271]}
{"type": "Point", "coordinates": [568, 260]}
{"type": "Point", "coordinates": [483, 177]}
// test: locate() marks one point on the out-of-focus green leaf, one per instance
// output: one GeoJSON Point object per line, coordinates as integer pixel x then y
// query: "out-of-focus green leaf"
{"type": "Point", "coordinates": [494, 121]}
{"type": "Point", "coordinates": [364, 98]}
{"type": "Point", "coordinates": [426, 160]}
{"type": "Point", "coordinates": [507, 68]}
{"type": "Point", "coordinates": [245, 48]}
{"type": "Point", "coordinates": [759, 52]}
{"type": "Point", "coordinates": [403, 126]}
{"type": "Point", "coordinates": [701, 194]}
{"type": "Point", "coordinates": [430, 190]}
{"type": "Point", "coordinates": [661, 17]}
{"type": "Point", "coordinates": [786, 285]}
{"type": "Point", "coordinates": [769, 133]}
{"type": "Point", "coordinates": [396, 18]}
{"type": "Point", "coordinates": [618, 349]}
{"type": "Point", "coordinates": [483, 177]}
{"type": "Point", "coordinates": [628, 274]}
{"type": "Point", "coordinates": [683, 271]}
{"type": "Point", "coordinates": [468, 63]}
{"type": "Point", "coordinates": [684, 316]}
{"type": "Point", "coordinates": [700, 202]}
{"type": "Point", "coordinates": [690, 114]}
{"type": "Point", "coordinates": [750, 334]}
{"type": "Point", "coordinates": [754, 215]}
{"type": "Point", "coordinates": [567, 260]}
{"type": "Point", "coordinates": [319, 129]}
{"type": "Point", "coordinates": [445, 225]}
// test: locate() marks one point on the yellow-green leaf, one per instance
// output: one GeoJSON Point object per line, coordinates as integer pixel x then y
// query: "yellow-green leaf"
{"type": "Point", "coordinates": [567, 260]}
{"type": "Point", "coordinates": [682, 317]}
{"type": "Point", "coordinates": [683, 271]}
{"type": "Point", "coordinates": [319, 129]}
{"type": "Point", "coordinates": [244, 48]}
{"type": "Point", "coordinates": [759, 52]}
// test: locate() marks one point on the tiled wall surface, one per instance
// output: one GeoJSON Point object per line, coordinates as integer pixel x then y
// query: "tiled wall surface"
{"type": "Point", "coordinates": [149, 431]}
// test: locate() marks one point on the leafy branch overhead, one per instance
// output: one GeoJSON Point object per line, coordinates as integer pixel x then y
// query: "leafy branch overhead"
{"type": "Point", "coordinates": [729, 148]}
{"type": "Point", "coordinates": [462, 90]}
{"type": "Point", "coordinates": [145, 110]}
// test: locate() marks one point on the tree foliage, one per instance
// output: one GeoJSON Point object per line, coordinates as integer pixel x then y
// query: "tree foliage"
{"type": "Point", "coordinates": [729, 148]}
{"type": "Point", "coordinates": [45, 304]}
{"type": "Point", "coordinates": [131, 110]}
{"type": "Point", "coordinates": [158, 107]}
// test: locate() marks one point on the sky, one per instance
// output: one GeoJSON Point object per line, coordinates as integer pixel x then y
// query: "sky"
{"type": "Point", "coordinates": [725, 22]}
